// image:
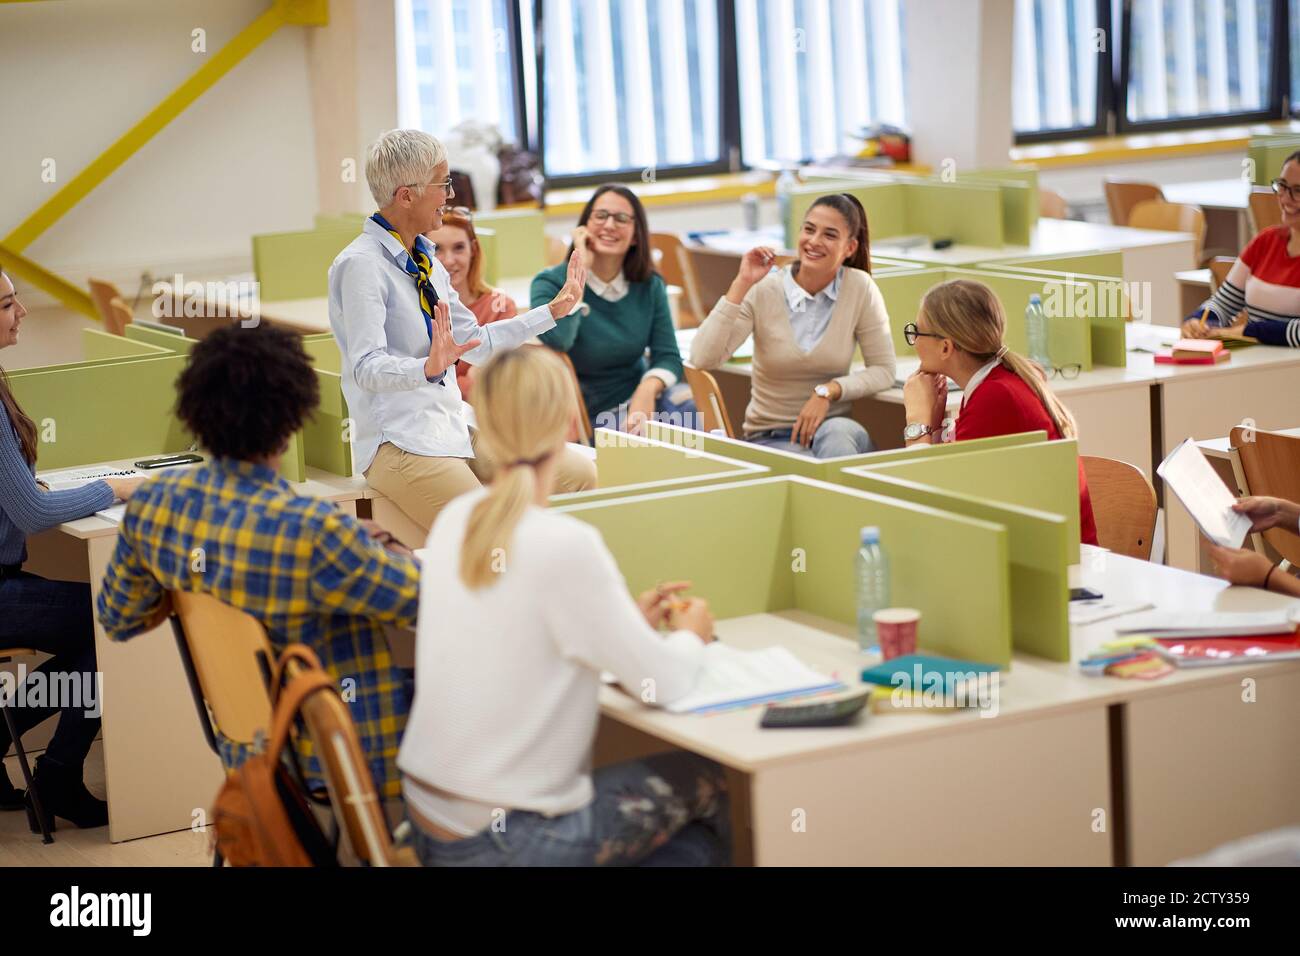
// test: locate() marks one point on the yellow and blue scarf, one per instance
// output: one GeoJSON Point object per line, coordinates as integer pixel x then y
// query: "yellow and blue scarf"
{"type": "Point", "coordinates": [419, 267]}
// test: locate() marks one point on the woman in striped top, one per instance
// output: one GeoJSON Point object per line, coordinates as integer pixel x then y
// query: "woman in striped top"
{"type": "Point", "coordinates": [50, 616]}
{"type": "Point", "coordinates": [1260, 297]}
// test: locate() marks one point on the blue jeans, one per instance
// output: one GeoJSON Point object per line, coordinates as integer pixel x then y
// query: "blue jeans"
{"type": "Point", "coordinates": [835, 438]}
{"type": "Point", "coordinates": [675, 406]}
{"type": "Point", "coordinates": [53, 617]}
{"type": "Point", "coordinates": [666, 810]}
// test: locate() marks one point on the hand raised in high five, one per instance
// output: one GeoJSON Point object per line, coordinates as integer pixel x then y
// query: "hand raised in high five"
{"type": "Point", "coordinates": [754, 266]}
{"type": "Point", "coordinates": [575, 284]}
{"type": "Point", "coordinates": [443, 350]}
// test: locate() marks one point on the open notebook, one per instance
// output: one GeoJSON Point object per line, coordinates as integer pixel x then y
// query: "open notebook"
{"type": "Point", "coordinates": [734, 678]}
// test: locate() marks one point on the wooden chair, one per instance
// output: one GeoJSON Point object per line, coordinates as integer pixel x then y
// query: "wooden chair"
{"type": "Point", "coordinates": [1220, 266]}
{"type": "Point", "coordinates": [226, 656]}
{"type": "Point", "coordinates": [1052, 205]}
{"type": "Point", "coordinates": [556, 250]}
{"type": "Point", "coordinates": [677, 269]}
{"type": "Point", "coordinates": [1124, 505]}
{"type": "Point", "coordinates": [708, 400]}
{"type": "Point", "coordinates": [356, 803]}
{"type": "Point", "coordinates": [1264, 211]}
{"type": "Point", "coordinates": [584, 422]}
{"type": "Point", "coordinates": [109, 303]}
{"type": "Point", "coordinates": [1270, 465]}
{"type": "Point", "coordinates": [1170, 217]}
{"type": "Point", "coordinates": [1122, 196]}
{"type": "Point", "coordinates": [7, 654]}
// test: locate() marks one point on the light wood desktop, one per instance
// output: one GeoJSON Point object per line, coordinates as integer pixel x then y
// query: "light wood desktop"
{"type": "Point", "coordinates": [159, 771]}
{"type": "Point", "coordinates": [1072, 770]}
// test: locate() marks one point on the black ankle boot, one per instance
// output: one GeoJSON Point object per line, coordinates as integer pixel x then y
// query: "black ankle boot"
{"type": "Point", "coordinates": [11, 798]}
{"type": "Point", "coordinates": [64, 795]}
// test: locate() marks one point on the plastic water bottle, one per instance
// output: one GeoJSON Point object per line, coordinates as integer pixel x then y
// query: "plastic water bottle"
{"type": "Point", "coordinates": [873, 585]}
{"type": "Point", "coordinates": [1036, 328]}
{"type": "Point", "coordinates": [785, 184]}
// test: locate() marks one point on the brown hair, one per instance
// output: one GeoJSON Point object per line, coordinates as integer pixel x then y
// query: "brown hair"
{"type": "Point", "coordinates": [850, 208]}
{"type": "Point", "coordinates": [24, 427]}
{"type": "Point", "coordinates": [638, 265]}
{"type": "Point", "coordinates": [459, 219]}
{"type": "Point", "coordinates": [525, 402]}
{"type": "Point", "coordinates": [970, 314]}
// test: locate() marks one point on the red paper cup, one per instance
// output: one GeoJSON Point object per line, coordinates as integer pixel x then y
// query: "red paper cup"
{"type": "Point", "coordinates": [896, 630]}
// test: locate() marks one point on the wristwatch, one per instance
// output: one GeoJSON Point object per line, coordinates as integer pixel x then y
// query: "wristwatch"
{"type": "Point", "coordinates": [915, 430]}
{"type": "Point", "coordinates": [823, 391]}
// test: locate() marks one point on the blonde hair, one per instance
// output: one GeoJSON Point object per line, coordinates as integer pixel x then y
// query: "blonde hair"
{"type": "Point", "coordinates": [401, 157]}
{"type": "Point", "coordinates": [524, 403]}
{"type": "Point", "coordinates": [970, 314]}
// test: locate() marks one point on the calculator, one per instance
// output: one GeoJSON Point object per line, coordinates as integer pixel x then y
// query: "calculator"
{"type": "Point", "coordinates": [817, 713]}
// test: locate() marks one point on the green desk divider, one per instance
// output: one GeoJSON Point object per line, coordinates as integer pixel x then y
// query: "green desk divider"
{"type": "Point", "coordinates": [293, 463]}
{"type": "Point", "coordinates": [885, 203]}
{"type": "Point", "coordinates": [789, 543]}
{"type": "Point", "coordinates": [1106, 264]}
{"type": "Point", "coordinates": [491, 256]}
{"type": "Point", "coordinates": [103, 411]}
{"type": "Point", "coordinates": [821, 469]}
{"type": "Point", "coordinates": [324, 351]}
{"type": "Point", "coordinates": [326, 439]}
{"type": "Point", "coordinates": [965, 213]}
{"type": "Point", "coordinates": [169, 341]}
{"type": "Point", "coordinates": [520, 242]}
{"type": "Point", "coordinates": [1043, 476]}
{"type": "Point", "coordinates": [1038, 549]}
{"type": "Point", "coordinates": [98, 345]}
{"type": "Point", "coordinates": [1267, 154]}
{"type": "Point", "coordinates": [295, 265]}
{"type": "Point", "coordinates": [628, 464]}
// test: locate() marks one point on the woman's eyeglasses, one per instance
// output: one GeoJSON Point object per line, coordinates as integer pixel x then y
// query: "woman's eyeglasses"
{"type": "Point", "coordinates": [1064, 371]}
{"type": "Point", "coordinates": [911, 333]}
{"type": "Point", "coordinates": [604, 215]}
{"type": "Point", "coordinates": [444, 186]}
{"type": "Point", "coordinates": [1281, 186]}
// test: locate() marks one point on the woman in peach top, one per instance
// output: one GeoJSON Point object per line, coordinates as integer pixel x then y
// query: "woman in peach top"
{"type": "Point", "coordinates": [461, 255]}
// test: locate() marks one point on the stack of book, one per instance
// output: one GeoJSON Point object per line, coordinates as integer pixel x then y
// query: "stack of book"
{"type": "Point", "coordinates": [1193, 352]}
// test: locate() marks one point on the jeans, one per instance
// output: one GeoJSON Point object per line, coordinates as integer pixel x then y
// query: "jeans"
{"type": "Point", "coordinates": [675, 406]}
{"type": "Point", "coordinates": [664, 810]}
{"type": "Point", "coordinates": [53, 617]}
{"type": "Point", "coordinates": [835, 438]}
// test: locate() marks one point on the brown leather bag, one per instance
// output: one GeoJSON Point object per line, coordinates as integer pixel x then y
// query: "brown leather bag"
{"type": "Point", "coordinates": [261, 816]}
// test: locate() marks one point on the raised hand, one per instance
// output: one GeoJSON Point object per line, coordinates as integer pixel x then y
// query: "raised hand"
{"type": "Point", "coordinates": [443, 350]}
{"type": "Point", "coordinates": [575, 284]}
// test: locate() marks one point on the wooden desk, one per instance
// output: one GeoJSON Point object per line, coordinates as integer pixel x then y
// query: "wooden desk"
{"type": "Point", "coordinates": [1192, 765]}
{"type": "Point", "coordinates": [1193, 289]}
{"type": "Point", "coordinates": [158, 768]}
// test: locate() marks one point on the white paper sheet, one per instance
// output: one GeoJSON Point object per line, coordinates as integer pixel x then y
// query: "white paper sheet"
{"type": "Point", "coordinates": [1203, 493]}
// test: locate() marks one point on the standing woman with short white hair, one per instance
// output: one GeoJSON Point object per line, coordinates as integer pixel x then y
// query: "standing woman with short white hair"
{"type": "Point", "coordinates": [401, 327]}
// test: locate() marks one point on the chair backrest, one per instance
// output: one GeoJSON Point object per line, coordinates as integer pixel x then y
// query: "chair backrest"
{"type": "Point", "coordinates": [708, 399]}
{"type": "Point", "coordinates": [1122, 196]}
{"type": "Point", "coordinates": [223, 645]}
{"type": "Point", "coordinates": [1052, 205]}
{"type": "Point", "coordinates": [1264, 211]}
{"type": "Point", "coordinates": [1271, 465]}
{"type": "Point", "coordinates": [102, 293]}
{"type": "Point", "coordinates": [584, 421]}
{"type": "Point", "coordinates": [1124, 505]}
{"type": "Point", "coordinates": [1220, 266]}
{"type": "Point", "coordinates": [1170, 217]}
{"type": "Point", "coordinates": [355, 802]}
{"type": "Point", "coordinates": [677, 269]}
{"type": "Point", "coordinates": [120, 316]}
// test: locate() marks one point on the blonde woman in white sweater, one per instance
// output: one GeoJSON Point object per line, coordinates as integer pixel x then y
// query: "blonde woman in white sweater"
{"type": "Point", "coordinates": [806, 320]}
{"type": "Point", "coordinates": [522, 608]}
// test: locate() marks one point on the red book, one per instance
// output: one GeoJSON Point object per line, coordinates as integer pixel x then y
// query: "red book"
{"type": "Point", "coordinates": [1194, 352]}
{"type": "Point", "coordinates": [1212, 651]}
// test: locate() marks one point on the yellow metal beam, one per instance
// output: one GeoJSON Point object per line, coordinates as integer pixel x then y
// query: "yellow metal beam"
{"type": "Point", "coordinates": [23, 268]}
{"type": "Point", "coordinates": [301, 12]}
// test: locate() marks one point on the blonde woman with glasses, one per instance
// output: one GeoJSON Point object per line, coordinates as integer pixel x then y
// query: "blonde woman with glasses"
{"type": "Point", "coordinates": [522, 610]}
{"type": "Point", "coordinates": [958, 335]}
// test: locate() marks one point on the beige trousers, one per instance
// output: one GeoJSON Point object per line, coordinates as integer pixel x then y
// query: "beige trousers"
{"type": "Point", "coordinates": [421, 485]}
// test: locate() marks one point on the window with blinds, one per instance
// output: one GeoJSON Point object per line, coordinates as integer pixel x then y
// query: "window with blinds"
{"type": "Point", "coordinates": [1056, 53]}
{"type": "Point", "coordinates": [630, 85]}
{"type": "Point", "coordinates": [813, 72]}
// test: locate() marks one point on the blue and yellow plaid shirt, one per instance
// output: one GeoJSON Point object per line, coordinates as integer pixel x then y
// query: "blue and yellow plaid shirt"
{"type": "Point", "coordinates": [309, 573]}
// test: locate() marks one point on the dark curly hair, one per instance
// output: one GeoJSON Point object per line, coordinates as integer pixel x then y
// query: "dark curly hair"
{"type": "Point", "coordinates": [244, 392]}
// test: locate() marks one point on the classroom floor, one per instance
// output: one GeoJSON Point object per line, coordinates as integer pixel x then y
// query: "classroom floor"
{"type": "Point", "coordinates": [73, 847]}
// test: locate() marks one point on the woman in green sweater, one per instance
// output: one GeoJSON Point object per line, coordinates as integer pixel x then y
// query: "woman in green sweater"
{"type": "Point", "coordinates": [624, 313]}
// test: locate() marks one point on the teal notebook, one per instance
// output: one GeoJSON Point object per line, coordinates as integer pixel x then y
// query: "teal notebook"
{"type": "Point", "coordinates": [922, 672]}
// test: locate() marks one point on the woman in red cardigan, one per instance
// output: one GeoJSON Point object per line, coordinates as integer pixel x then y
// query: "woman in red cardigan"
{"type": "Point", "coordinates": [958, 335]}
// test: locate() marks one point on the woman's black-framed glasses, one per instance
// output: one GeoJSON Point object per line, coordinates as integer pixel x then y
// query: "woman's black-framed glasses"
{"type": "Point", "coordinates": [911, 333]}
{"type": "Point", "coordinates": [1281, 186]}
{"type": "Point", "coordinates": [604, 215]}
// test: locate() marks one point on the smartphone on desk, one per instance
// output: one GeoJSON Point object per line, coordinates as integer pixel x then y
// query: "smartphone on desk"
{"type": "Point", "coordinates": [1084, 594]}
{"type": "Point", "coordinates": [168, 461]}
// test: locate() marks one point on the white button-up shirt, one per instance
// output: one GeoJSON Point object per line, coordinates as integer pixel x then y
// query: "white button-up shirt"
{"type": "Point", "coordinates": [810, 315]}
{"type": "Point", "coordinates": [376, 319]}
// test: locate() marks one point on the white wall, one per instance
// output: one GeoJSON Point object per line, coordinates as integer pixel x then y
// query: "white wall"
{"type": "Point", "coordinates": [76, 74]}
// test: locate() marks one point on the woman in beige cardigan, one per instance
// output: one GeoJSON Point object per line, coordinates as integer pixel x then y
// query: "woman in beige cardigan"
{"type": "Point", "coordinates": [806, 319]}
